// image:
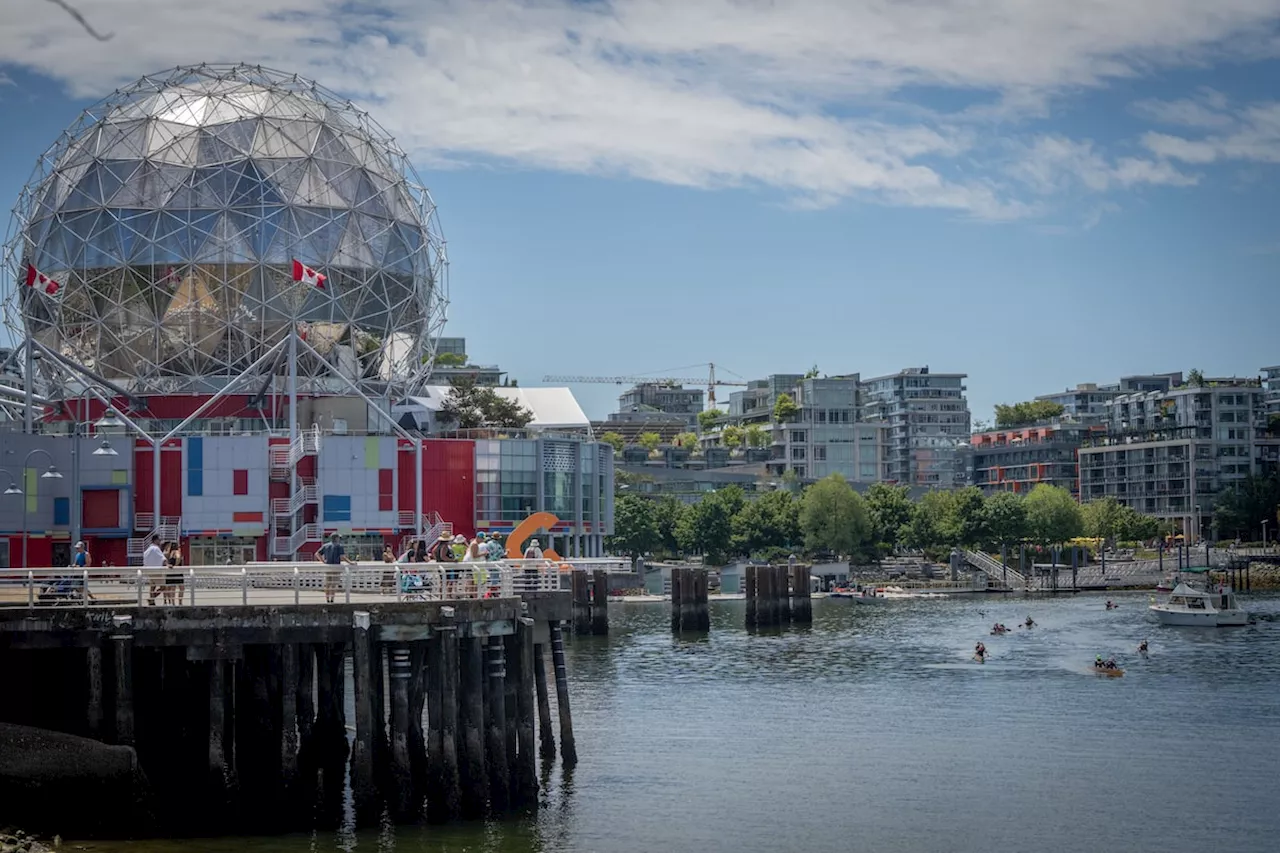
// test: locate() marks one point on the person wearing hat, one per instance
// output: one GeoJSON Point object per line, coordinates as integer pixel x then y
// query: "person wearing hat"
{"type": "Point", "coordinates": [534, 551]}
{"type": "Point", "coordinates": [332, 554]}
{"type": "Point", "coordinates": [442, 551]}
{"type": "Point", "coordinates": [80, 559]}
{"type": "Point", "coordinates": [459, 547]}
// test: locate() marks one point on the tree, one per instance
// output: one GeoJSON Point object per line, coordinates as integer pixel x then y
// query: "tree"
{"type": "Point", "coordinates": [1195, 378]}
{"type": "Point", "coordinates": [649, 441]}
{"type": "Point", "coordinates": [1053, 516]}
{"type": "Point", "coordinates": [965, 522]}
{"type": "Point", "coordinates": [471, 406]}
{"type": "Point", "coordinates": [1004, 518]}
{"type": "Point", "coordinates": [833, 517]}
{"type": "Point", "coordinates": [706, 527]}
{"type": "Point", "coordinates": [1103, 519]}
{"type": "Point", "coordinates": [813, 372]}
{"type": "Point", "coordinates": [450, 359]}
{"type": "Point", "coordinates": [770, 521]}
{"type": "Point", "coordinates": [927, 529]}
{"type": "Point", "coordinates": [756, 436]}
{"type": "Point", "coordinates": [687, 440]}
{"type": "Point", "coordinates": [1028, 412]}
{"type": "Point", "coordinates": [667, 513]}
{"type": "Point", "coordinates": [890, 510]}
{"type": "Point", "coordinates": [614, 440]}
{"type": "Point", "coordinates": [732, 436]}
{"type": "Point", "coordinates": [785, 409]}
{"type": "Point", "coordinates": [708, 418]}
{"type": "Point", "coordinates": [635, 526]}
{"type": "Point", "coordinates": [1240, 509]}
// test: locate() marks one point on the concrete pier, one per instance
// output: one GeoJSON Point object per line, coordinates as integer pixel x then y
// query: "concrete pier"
{"type": "Point", "coordinates": [689, 608]}
{"type": "Point", "coordinates": [778, 595]}
{"type": "Point", "coordinates": [248, 704]}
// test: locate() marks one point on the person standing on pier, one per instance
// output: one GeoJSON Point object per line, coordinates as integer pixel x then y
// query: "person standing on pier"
{"type": "Point", "coordinates": [332, 554]}
{"type": "Point", "coordinates": [153, 558]}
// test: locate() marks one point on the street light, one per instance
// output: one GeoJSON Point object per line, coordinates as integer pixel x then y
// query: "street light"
{"type": "Point", "coordinates": [50, 473]}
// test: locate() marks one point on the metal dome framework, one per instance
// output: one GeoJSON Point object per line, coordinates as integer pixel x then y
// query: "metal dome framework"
{"type": "Point", "coordinates": [170, 214]}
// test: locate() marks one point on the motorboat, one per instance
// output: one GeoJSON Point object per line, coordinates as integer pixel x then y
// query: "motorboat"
{"type": "Point", "coordinates": [860, 594]}
{"type": "Point", "coordinates": [1189, 606]}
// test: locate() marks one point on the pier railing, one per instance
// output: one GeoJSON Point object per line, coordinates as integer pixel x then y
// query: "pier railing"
{"type": "Point", "coordinates": [267, 584]}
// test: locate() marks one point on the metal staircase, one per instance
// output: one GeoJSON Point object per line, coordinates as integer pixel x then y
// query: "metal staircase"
{"type": "Point", "coordinates": [169, 530]}
{"type": "Point", "coordinates": [433, 527]}
{"type": "Point", "coordinates": [994, 569]}
{"type": "Point", "coordinates": [288, 534]}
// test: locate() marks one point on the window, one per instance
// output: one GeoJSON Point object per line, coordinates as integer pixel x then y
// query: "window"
{"type": "Point", "coordinates": [386, 490]}
{"type": "Point", "coordinates": [797, 436]}
{"type": "Point", "coordinates": [240, 481]}
{"type": "Point", "coordinates": [819, 454]}
{"type": "Point", "coordinates": [797, 453]}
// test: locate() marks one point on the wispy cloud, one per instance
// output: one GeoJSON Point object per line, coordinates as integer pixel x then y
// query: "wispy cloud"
{"type": "Point", "coordinates": [1251, 135]}
{"type": "Point", "coordinates": [808, 98]}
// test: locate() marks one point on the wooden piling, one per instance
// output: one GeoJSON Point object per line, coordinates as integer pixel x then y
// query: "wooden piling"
{"type": "Point", "coordinates": [581, 602]}
{"type": "Point", "coordinates": [434, 693]}
{"type": "Point", "coordinates": [677, 599]}
{"type": "Point", "coordinates": [306, 690]}
{"type": "Point", "coordinates": [751, 584]}
{"type": "Point", "coordinates": [366, 680]}
{"type": "Point", "coordinates": [703, 612]}
{"type": "Point", "coordinates": [600, 603]}
{"type": "Point", "coordinates": [546, 739]}
{"type": "Point", "coordinates": [782, 575]}
{"type": "Point", "coordinates": [93, 669]}
{"type": "Point", "coordinates": [473, 778]}
{"type": "Point", "coordinates": [801, 596]}
{"type": "Point", "coordinates": [124, 689]}
{"type": "Point", "coordinates": [568, 747]}
{"type": "Point", "coordinates": [496, 728]}
{"type": "Point", "coordinates": [526, 771]}
{"type": "Point", "coordinates": [765, 611]}
{"type": "Point", "coordinates": [402, 794]}
{"type": "Point", "coordinates": [511, 703]}
{"type": "Point", "coordinates": [217, 767]}
{"type": "Point", "coordinates": [288, 699]}
{"type": "Point", "coordinates": [689, 600]}
{"type": "Point", "coordinates": [447, 637]}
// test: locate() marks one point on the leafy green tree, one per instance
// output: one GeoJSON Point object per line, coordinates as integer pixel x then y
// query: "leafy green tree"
{"type": "Point", "coordinates": [833, 517]}
{"type": "Point", "coordinates": [1103, 518]}
{"type": "Point", "coordinates": [472, 406]}
{"type": "Point", "coordinates": [687, 440]}
{"type": "Point", "coordinates": [450, 359]}
{"type": "Point", "coordinates": [614, 440]}
{"type": "Point", "coordinates": [812, 373]}
{"type": "Point", "coordinates": [706, 527]}
{"type": "Point", "coordinates": [890, 510]}
{"type": "Point", "coordinates": [966, 524]}
{"type": "Point", "coordinates": [770, 521]}
{"type": "Point", "coordinates": [707, 419]}
{"type": "Point", "coordinates": [732, 436]}
{"type": "Point", "coordinates": [1137, 526]}
{"type": "Point", "coordinates": [668, 512]}
{"type": "Point", "coordinates": [650, 441]}
{"type": "Point", "coordinates": [1005, 519]}
{"type": "Point", "coordinates": [1053, 516]}
{"type": "Point", "coordinates": [928, 528]}
{"type": "Point", "coordinates": [785, 409]}
{"type": "Point", "coordinates": [635, 526]}
{"type": "Point", "coordinates": [1029, 412]}
{"type": "Point", "coordinates": [1240, 509]}
{"type": "Point", "coordinates": [756, 436]}
{"type": "Point", "coordinates": [1195, 378]}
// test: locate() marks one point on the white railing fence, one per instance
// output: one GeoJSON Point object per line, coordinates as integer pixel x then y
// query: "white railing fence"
{"type": "Point", "coordinates": [268, 584]}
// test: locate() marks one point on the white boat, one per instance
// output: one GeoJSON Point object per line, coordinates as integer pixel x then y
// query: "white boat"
{"type": "Point", "coordinates": [1187, 605]}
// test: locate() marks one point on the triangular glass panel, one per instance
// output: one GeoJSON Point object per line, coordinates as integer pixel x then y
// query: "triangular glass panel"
{"type": "Point", "coordinates": [352, 249]}
{"type": "Point", "coordinates": [320, 230]}
{"type": "Point", "coordinates": [168, 142]}
{"type": "Point", "coordinates": [87, 192]}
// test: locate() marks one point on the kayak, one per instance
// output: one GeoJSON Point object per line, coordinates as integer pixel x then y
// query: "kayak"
{"type": "Point", "coordinates": [1109, 673]}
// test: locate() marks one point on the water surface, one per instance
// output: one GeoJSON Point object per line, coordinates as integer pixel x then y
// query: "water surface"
{"type": "Point", "coordinates": [875, 730]}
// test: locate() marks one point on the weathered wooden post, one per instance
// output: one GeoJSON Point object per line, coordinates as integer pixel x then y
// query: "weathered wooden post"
{"type": "Point", "coordinates": [600, 603]}
{"type": "Point", "coordinates": [93, 667]}
{"type": "Point", "coordinates": [703, 608]}
{"type": "Point", "coordinates": [124, 687]}
{"type": "Point", "coordinates": [677, 599]}
{"type": "Point", "coordinates": [689, 599]}
{"type": "Point", "coordinates": [365, 681]}
{"type": "Point", "coordinates": [288, 698]}
{"type": "Point", "coordinates": [568, 747]}
{"type": "Point", "coordinates": [217, 776]}
{"type": "Point", "coordinates": [767, 610]}
{"type": "Point", "coordinates": [403, 797]}
{"type": "Point", "coordinates": [511, 665]}
{"type": "Point", "coordinates": [433, 743]}
{"type": "Point", "coordinates": [546, 739]}
{"type": "Point", "coordinates": [475, 783]}
{"type": "Point", "coordinates": [581, 602]}
{"type": "Point", "coordinates": [751, 583]}
{"type": "Point", "coordinates": [306, 691]}
{"type": "Point", "coordinates": [782, 574]}
{"type": "Point", "coordinates": [802, 596]}
{"type": "Point", "coordinates": [447, 637]}
{"type": "Point", "coordinates": [496, 729]}
{"type": "Point", "coordinates": [526, 787]}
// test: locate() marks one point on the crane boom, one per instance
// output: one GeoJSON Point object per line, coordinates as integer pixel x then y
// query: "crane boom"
{"type": "Point", "coordinates": [710, 381]}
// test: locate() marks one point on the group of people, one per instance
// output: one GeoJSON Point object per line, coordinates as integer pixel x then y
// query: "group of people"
{"type": "Point", "coordinates": [160, 555]}
{"type": "Point", "coordinates": [999, 628]}
{"type": "Point", "coordinates": [980, 650]}
{"type": "Point", "coordinates": [1099, 663]}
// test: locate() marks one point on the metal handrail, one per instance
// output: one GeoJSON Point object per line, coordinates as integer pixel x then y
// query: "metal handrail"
{"type": "Point", "coordinates": [274, 584]}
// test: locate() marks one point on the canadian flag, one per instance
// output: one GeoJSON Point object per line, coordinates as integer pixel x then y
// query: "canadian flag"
{"type": "Point", "coordinates": [35, 278]}
{"type": "Point", "coordinates": [304, 273]}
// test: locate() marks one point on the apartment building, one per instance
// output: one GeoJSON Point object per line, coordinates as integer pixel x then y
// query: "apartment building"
{"type": "Point", "coordinates": [928, 422]}
{"type": "Point", "coordinates": [826, 437]}
{"type": "Point", "coordinates": [1088, 401]}
{"type": "Point", "coordinates": [755, 404]}
{"type": "Point", "coordinates": [1169, 453]}
{"type": "Point", "coordinates": [664, 398]}
{"type": "Point", "coordinates": [1017, 459]}
{"type": "Point", "coordinates": [1271, 388]}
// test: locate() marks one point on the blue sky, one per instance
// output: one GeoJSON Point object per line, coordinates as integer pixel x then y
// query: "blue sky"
{"type": "Point", "coordinates": [1035, 196]}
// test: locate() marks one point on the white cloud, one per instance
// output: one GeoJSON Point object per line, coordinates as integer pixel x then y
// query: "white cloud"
{"type": "Point", "coordinates": [1253, 136]}
{"type": "Point", "coordinates": [1207, 108]}
{"type": "Point", "coordinates": [807, 98]}
{"type": "Point", "coordinates": [1055, 164]}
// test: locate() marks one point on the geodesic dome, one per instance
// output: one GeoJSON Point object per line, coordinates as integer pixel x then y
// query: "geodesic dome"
{"type": "Point", "coordinates": [170, 215]}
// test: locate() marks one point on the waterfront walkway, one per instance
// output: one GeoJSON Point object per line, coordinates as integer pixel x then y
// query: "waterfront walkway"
{"type": "Point", "coordinates": [267, 584]}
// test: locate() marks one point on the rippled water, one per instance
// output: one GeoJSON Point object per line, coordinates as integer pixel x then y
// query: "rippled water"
{"type": "Point", "coordinates": [875, 730]}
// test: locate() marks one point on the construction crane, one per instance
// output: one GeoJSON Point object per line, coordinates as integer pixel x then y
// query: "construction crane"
{"type": "Point", "coordinates": [711, 381]}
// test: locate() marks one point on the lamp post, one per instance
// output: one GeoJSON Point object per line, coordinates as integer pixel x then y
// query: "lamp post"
{"type": "Point", "coordinates": [1264, 533]}
{"type": "Point", "coordinates": [51, 473]}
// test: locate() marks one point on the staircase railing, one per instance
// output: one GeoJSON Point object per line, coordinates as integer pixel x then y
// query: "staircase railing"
{"type": "Point", "coordinates": [993, 568]}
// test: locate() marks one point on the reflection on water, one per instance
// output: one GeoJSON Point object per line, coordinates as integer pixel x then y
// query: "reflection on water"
{"type": "Point", "coordinates": [874, 729]}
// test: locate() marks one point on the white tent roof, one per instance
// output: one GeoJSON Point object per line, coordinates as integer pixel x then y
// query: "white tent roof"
{"type": "Point", "coordinates": [553, 408]}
